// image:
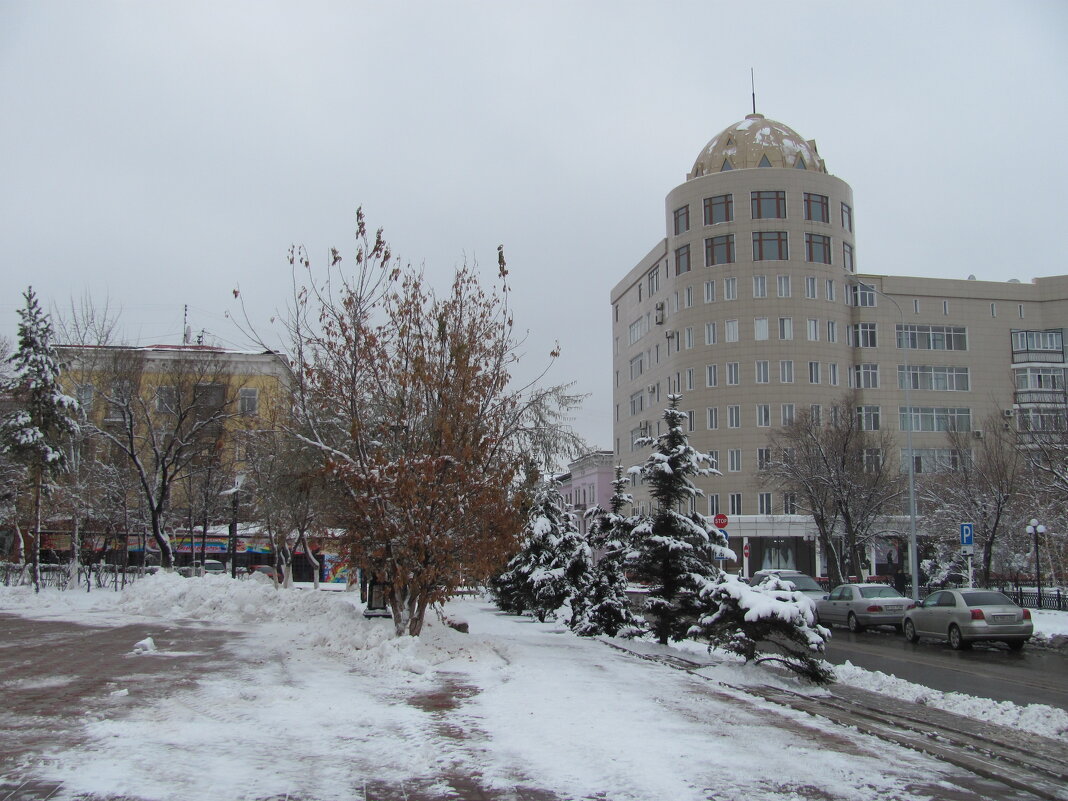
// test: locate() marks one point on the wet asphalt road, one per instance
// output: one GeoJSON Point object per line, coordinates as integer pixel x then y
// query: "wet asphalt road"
{"type": "Point", "coordinates": [1031, 676]}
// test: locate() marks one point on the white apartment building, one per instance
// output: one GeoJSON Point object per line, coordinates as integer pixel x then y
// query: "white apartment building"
{"type": "Point", "coordinates": [752, 308]}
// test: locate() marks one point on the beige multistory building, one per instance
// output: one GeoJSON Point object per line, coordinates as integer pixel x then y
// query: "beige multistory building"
{"type": "Point", "coordinates": [752, 308]}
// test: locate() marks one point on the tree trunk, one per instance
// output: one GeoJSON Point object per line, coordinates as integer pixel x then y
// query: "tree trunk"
{"type": "Point", "coordinates": [35, 555]}
{"type": "Point", "coordinates": [76, 553]}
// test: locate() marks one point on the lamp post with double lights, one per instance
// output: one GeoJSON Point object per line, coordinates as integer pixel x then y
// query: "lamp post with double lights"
{"type": "Point", "coordinates": [914, 554]}
{"type": "Point", "coordinates": [1035, 528]}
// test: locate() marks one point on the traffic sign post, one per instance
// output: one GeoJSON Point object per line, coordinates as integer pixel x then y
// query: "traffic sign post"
{"type": "Point", "coordinates": [726, 536]}
{"type": "Point", "coordinates": [720, 521]}
{"type": "Point", "coordinates": [967, 548]}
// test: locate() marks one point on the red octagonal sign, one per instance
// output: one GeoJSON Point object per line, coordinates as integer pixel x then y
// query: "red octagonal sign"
{"type": "Point", "coordinates": [720, 521]}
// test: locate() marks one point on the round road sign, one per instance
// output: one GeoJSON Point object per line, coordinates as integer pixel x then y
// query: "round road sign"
{"type": "Point", "coordinates": [720, 521]}
{"type": "Point", "coordinates": [745, 550]}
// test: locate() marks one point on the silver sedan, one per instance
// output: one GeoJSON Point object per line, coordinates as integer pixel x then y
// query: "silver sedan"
{"type": "Point", "coordinates": [862, 605]}
{"type": "Point", "coordinates": [966, 616]}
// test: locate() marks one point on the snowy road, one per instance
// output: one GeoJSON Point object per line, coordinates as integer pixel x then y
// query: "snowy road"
{"type": "Point", "coordinates": [321, 704]}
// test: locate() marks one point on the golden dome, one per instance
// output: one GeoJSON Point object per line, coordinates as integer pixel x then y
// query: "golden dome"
{"type": "Point", "coordinates": [757, 142]}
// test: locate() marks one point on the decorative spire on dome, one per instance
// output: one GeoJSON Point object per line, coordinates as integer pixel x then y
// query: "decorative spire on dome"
{"type": "Point", "coordinates": [757, 142]}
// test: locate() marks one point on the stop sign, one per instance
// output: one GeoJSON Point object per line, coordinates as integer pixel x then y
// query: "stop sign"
{"type": "Point", "coordinates": [720, 521]}
{"type": "Point", "coordinates": [745, 550]}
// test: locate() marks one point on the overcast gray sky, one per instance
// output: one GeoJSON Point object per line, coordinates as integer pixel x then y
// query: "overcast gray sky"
{"type": "Point", "coordinates": [162, 154]}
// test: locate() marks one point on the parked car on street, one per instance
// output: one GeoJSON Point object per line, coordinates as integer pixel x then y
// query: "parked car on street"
{"type": "Point", "coordinates": [267, 570]}
{"type": "Point", "coordinates": [212, 566]}
{"type": "Point", "coordinates": [967, 616]}
{"type": "Point", "coordinates": [861, 605]}
{"type": "Point", "coordinates": [802, 583]}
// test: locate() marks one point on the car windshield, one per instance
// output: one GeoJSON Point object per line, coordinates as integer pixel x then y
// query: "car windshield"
{"type": "Point", "coordinates": [800, 581]}
{"type": "Point", "coordinates": [986, 599]}
{"type": "Point", "coordinates": [879, 592]}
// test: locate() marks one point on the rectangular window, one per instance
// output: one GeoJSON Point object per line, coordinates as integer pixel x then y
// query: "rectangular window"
{"type": "Point", "coordinates": [817, 208]}
{"type": "Point", "coordinates": [636, 331]}
{"type": "Point", "coordinates": [993, 310]}
{"type": "Point", "coordinates": [711, 375]}
{"type": "Point", "coordinates": [719, 250]}
{"type": "Point", "coordinates": [712, 417]}
{"type": "Point", "coordinates": [763, 415]}
{"type": "Point", "coordinates": [866, 376]}
{"type": "Point", "coordinates": [682, 220]}
{"type": "Point", "coordinates": [786, 371]}
{"type": "Point", "coordinates": [732, 374]}
{"type": "Point", "coordinates": [637, 366]}
{"type": "Point", "coordinates": [734, 417]}
{"type": "Point", "coordinates": [863, 335]}
{"type": "Point", "coordinates": [1037, 341]}
{"type": "Point", "coordinates": [945, 307]}
{"type": "Point", "coordinates": [730, 289]}
{"type": "Point", "coordinates": [688, 296]}
{"type": "Point", "coordinates": [868, 418]}
{"type": "Point", "coordinates": [690, 420]}
{"type": "Point", "coordinates": [249, 400]}
{"type": "Point", "coordinates": [769, 205]}
{"type": "Point", "coordinates": [166, 400]}
{"type": "Point", "coordinates": [710, 291]}
{"type": "Point", "coordinates": [813, 372]}
{"type": "Point", "coordinates": [818, 248]}
{"type": "Point", "coordinates": [734, 460]}
{"type": "Point", "coordinates": [832, 331]}
{"type": "Point", "coordinates": [653, 281]}
{"type": "Point", "coordinates": [786, 328]}
{"type": "Point", "coordinates": [863, 295]}
{"type": "Point", "coordinates": [637, 402]}
{"type": "Point", "coordinates": [815, 412]}
{"type": "Point", "coordinates": [789, 503]}
{"type": "Point", "coordinates": [736, 503]}
{"type": "Point", "coordinates": [763, 458]}
{"type": "Point", "coordinates": [770, 246]}
{"type": "Point", "coordinates": [730, 331]}
{"type": "Point", "coordinates": [762, 372]}
{"type": "Point", "coordinates": [760, 328]}
{"type": "Point", "coordinates": [764, 503]}
{"type": "Point", "coordinates": [934, 337]}
{"type": "Point", "coordinates": [711, 335]}
{"type": "Point", "coordinates": [933, 418]}
{"type": "Point", "coordinates": [813, 330]}
{"type": "Point", "coordinates": [688, 337]}
{"type": "Point", "coordinates": [832, 373]}
{"type": "Point", "coordinates": [847, 258]}
{"type": "Point", "coordinates": [810, 286]}
{"type": "Point", "coordinates": [682, 260]}
{"type": "Point", "coordinates": [713, 504]}
{"type": "Point", "coordinates": [940, 378]}
{"type": "Point", "coordinates": [760, 286]}
{"type": "Point", "coordinates": [847, 217]}
{"type": "Point", "coordinates": [782, 285]}
{"type": "Point", "coordinates": [830, 289]}
{"type": "Point", "coordinates": [719, 209]}
{"type": "Point", "coordinates": [689, 379]}
{"type": "Point", "coordinates": [787, 414]}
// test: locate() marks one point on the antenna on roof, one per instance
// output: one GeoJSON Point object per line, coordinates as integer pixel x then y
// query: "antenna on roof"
{"type": "Point", "coordinates": [752, 83]}
{"type": "Point", "coordinates": [185, 325]}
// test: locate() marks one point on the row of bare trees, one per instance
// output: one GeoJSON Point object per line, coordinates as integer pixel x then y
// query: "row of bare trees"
{"type": "Point", "coordinates": [852, 480]}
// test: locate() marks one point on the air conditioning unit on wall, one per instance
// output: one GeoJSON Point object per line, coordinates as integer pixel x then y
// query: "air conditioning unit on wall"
{"type": "Point", "coordinates": [977, 434]}
{"type": "Point", "coordinates": [1008, 412]}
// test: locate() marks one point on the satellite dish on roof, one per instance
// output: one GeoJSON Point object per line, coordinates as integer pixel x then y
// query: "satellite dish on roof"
{"type": "Point", "coordinates": [971, 277]}
{"type": "Point", "coordinates": [1014, 280]}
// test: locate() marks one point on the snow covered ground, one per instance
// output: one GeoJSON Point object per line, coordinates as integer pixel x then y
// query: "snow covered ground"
{"type": "Point", "coordinates": [315, 701]}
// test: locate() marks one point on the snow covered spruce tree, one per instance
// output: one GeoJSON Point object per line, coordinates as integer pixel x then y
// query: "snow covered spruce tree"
{"type": "Point", "coordinates": [36, 430]}
{"type": "Point", "coordinates": [741, 619]}
{"type": "Point", "coordinates": [601, 605]}
{"type": "Point", "coordinates": [554, 564]}
{"type": "Point", "coordinates": [676, 547]}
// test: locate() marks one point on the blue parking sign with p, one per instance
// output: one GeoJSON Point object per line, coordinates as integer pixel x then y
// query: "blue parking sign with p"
{"type": "Point", "coordinates": [966, 533]}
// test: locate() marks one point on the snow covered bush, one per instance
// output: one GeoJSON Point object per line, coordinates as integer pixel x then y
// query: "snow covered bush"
{"type": "Point", "coordinates": [554, 563]}
{"type": "Point", "coordinates": [740, 618]}
{"type": "Point", "coordinates": [600, 606]}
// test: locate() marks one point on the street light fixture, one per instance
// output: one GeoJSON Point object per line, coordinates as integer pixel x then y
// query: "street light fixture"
{"type": "Point", "coordinates": [914, 554]}
{"type": "Point", "coordinates": [1035, 528]}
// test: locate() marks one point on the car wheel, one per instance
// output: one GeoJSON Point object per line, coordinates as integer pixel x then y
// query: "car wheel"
{"type": "Point", "coordinates": [910, 631]}
{"type": "Point", "coordinates": [1015, 645]}
{"type": "Point", "coordinates": [854, 624]}
{"type": "Point", "coordinates": [956, 639]}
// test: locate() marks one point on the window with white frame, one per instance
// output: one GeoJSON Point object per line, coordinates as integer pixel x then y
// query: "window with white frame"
{"type": "Point", "coordinates": [763, 415]}
{"type": "Point", "coordinates": [782, 285]}
{"type": "Point", "coordinates": [711, 334]}
{"type": "Point", "coordinates": [832, 373]}
{"type": "Point", "coordinates": [788, 414]}
{"type": "Point", "coordinates": [764, 503]}
{"type": "Point", "coordinates": [786, 371]}
{"type": "Point", "coordinates": [760, 328]}
{"type": "Point", "coordinates": [730, 331]}
{"type": "Point", "coordinates": [939, 378]}
{"type": "Point", "coordinates": [810, 287]}
{"type": "Point", "coordinates": [813, 330]}
{"type": "Point", "coordinates": [863, 335]}
{"type": "Point", "coordinates": [868, 418]}
{"type": "Point", "coordinates": [863, 295]}
{"type": "Point", "coordinates": [732, 374]}
{"type": "Point", "coordinates": [712, 417]}
{"type": "Point", "coordinates": [865, 376]}
{"type": "Point", "coordinates": [762, 372]}
{"type": "Point", "coordinates": [736, 503]}
{"type": "Point", "coordinates": [786, 328]}
{"type": "Point", "coordinates": [935, 418]}
{"type": "Point", "coordinates": [637, 402]}
{"type": "Point", "coordinates": [688, 296]}
{"type": "Point", "coordinates": [713, 504]}
{"type": "Point", "coordinates": [689, 379]}
{"type": "Point", "coordinates": [711, 375]}
{"type": "Point", "coordinates": [710, 291]}
{"type": "Point", "coordinates": [637, 366]}
{"type": "Point", "coordinates": [832, 330]}
{"type": "Point", "coordinates": [813, 372]}
{"type": "Point", "coordinates": [760, 286]}
{"type": "Point", "coordinates": [734, 416]}
{"type": "Point", "coordinates": [763, 458]}
{"type": "Point", "coordinates": [829, 287]}
{"type": "Point", "coordinates": [734, 460]}
{"type": "Point", "coordinates": [688, 337]}
{"type": "Point", "coordinates": [730, 288]}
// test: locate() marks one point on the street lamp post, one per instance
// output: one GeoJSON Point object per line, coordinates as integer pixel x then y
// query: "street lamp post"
{"type": "Point", "coordinates": [914, 554]}
{"type": "Point", "coordinates": [1035, 528]}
